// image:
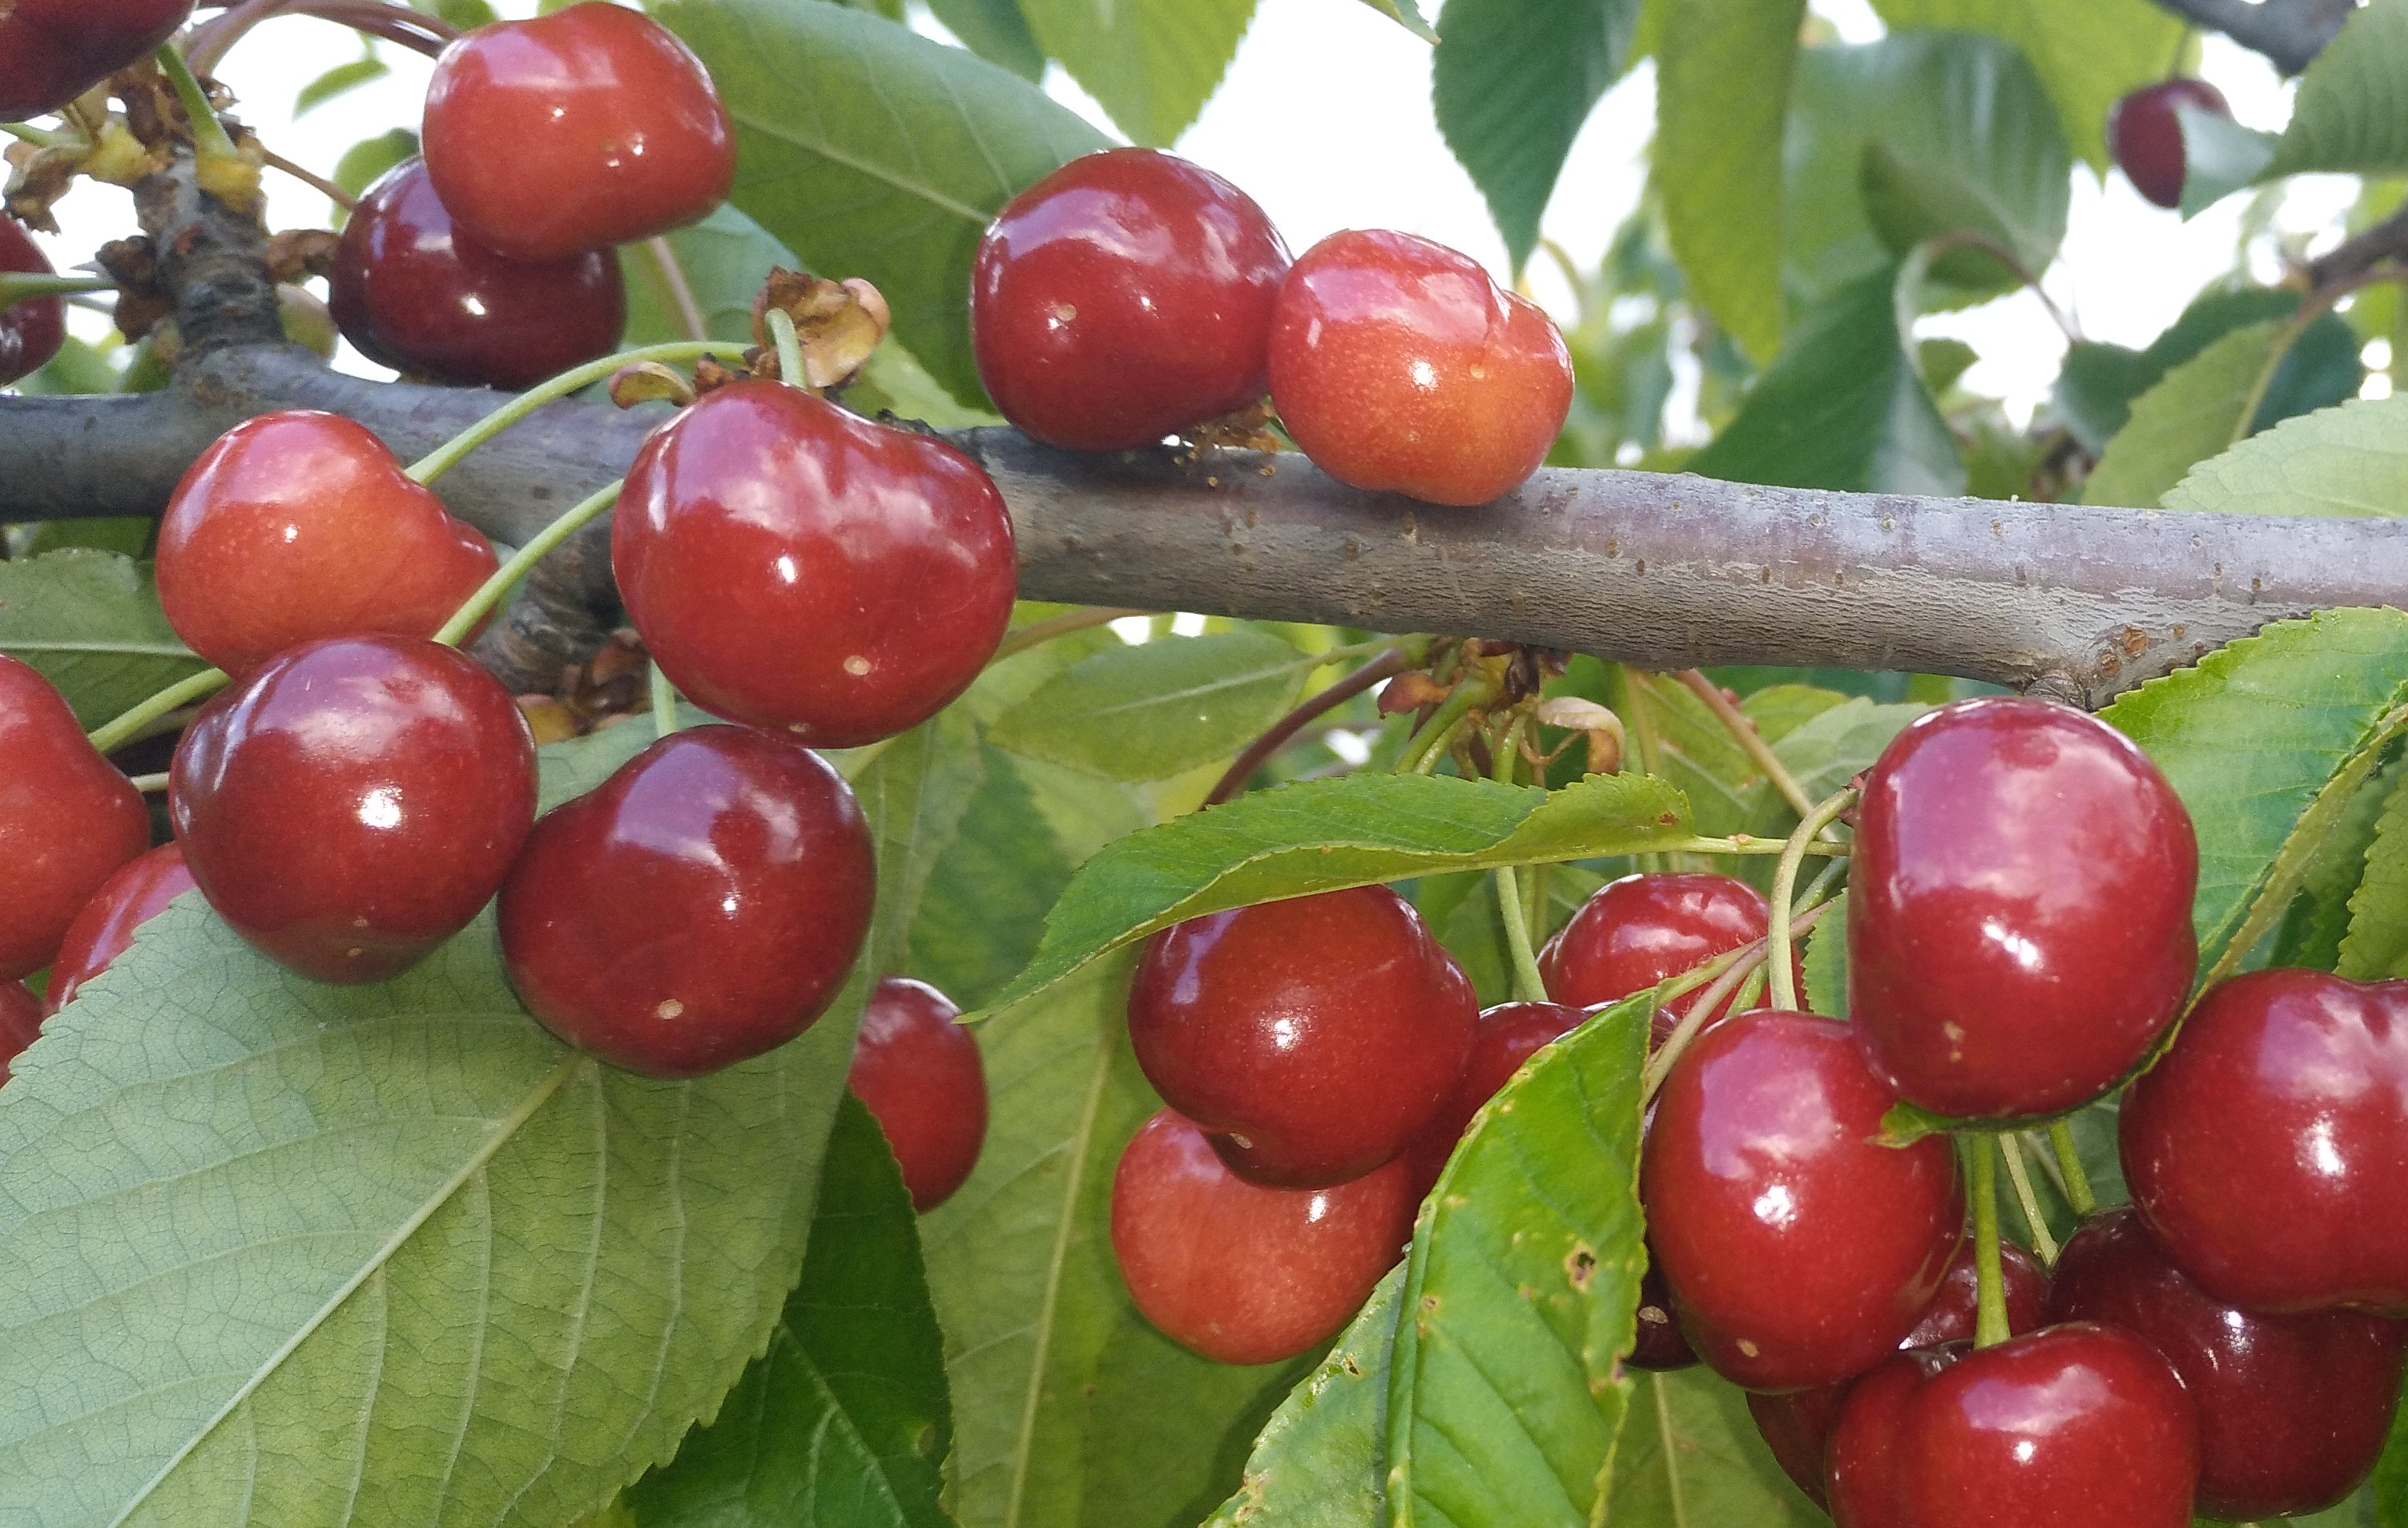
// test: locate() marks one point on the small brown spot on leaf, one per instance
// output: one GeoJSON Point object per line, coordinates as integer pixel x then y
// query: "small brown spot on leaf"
{"type": "Point", "coordinates": [1580, 1265]}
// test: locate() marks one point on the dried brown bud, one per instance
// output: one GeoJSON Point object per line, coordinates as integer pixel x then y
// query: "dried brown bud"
{"type": "Point", "coordinates": [838, 324]}
{"type": "Point", "coordinates": [1602, 726]}
{"type": "Point", "coordinates": [1410, 692]}
{"type": "Point", "coordinates": [650, 382]}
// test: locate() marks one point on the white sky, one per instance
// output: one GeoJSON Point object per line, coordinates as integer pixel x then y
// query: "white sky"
{"type": "Point", "coordinates": [1324, 144]}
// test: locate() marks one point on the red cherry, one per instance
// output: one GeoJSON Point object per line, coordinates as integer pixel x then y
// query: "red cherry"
{"type": "Point", "coordinates": [1397, 364]}
{"type": "Point", "coordinates": [2265, 1149]}
{"type": "Point", "coordinates": [1797, 1427]}
{"type": "Point", "coordinates": [21, 1022]}
{"type": "Point", "coordinates": [2292, 1409]}
{"type": "Point", "coordinates": [699, 908]}
{"type": "Point", "coordinates": [2019, 926]}
{"type": "Point", "coordinates": [1314, 1037]}
{"type": "Point", "coordinates": [354, 803]}
{"type": "Point", "coordinates": [67, 820]}
{"type": "Point", "coordinates": [2145, 133]}
{"type": "Point", "coordinates": [2074, 1426]}
{"type": "Point", "coordinates": [412, 294]}
{"type": "Point", "coordinates": [138, 892]}
{"type": "Point", "coordinates": [53, 50]}
{"type": "Point", "coordinates": [297, 526]}
{"type": "Point", "coordinates": [591, 126]}
{"type": "Point", "coordinates": [918, 1071]}
{"type": "Point", "coordinates": [1634, 932]}
{"type": "Point", "coordinates": [1508, 1035]}
{"type": "Point", "coordinates": [32, 331]}
{"type": "Point", "coordinates": [1241, 1272]}
{"type": "Point", "coordinates": [1798, 1250]}
{"type": "Point", "coordinates": [1657, 1342]}
{"type": "Point", "coordinates": [1124, 298]}
{"type": "Point", "coordinates": [795, 567]}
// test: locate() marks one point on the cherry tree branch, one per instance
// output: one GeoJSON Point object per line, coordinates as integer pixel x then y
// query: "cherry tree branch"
{"type": "Point", "coordinates": [2290, 33]}
{"type": "Point", "coordinates": [2362, 252]}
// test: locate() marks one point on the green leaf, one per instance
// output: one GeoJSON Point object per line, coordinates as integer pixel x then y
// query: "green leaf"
{"type": "Point", "coordinates": [2351, 460]}
{"type": "Point", "coordinates": [1321, 835]}
{"type": "Point", "coordinates": [2376, 946]}
{"type": "Point", "coordinates": [2351, 113]}
{"type": "Point", "coordinates": [1506, 1389]}
{"type": "Point", "coordinates": [2219, 157]}
{"type": "Point", "coordinates": [1406, 13]}
{"type": "Point", "coordinates": [1317, 1463]}
{"type": "Point", "coordinates": [369, 158]}
{"type": "Point", "coordinates": [996, 31]}
{"type": "Point", "coordinates": [90, 622]}
{"type": "Point", "coordinates": [915, 795]}
{"type": "Point", "coordinates": [1722, 103]}
{"type": "Point", "coordinates": [1150, 63]}
{"type": "Point", "coordinates": [2087, 52]}
{"type": "Point", "coordinates": [464, 14]}
{"type": "Point", "coordinates": [2099, 382]}
{"type": "Point", "coordinates": [843, 1421]}
{"type": "Point", "coordinates": [983, 910]}
{"type": "Point", "coordinates": [1843, 407]}
{"type": "Point", "coordinates": [2319, 919]}
{"type": "Point", "coordinates": [1512, 82]}
{"type": "Point", "coordinates": [1159, 708]}
{"type": "Point", "coordinates": [870, 150]}
{"type": "Point", "coordinates": [341, 79]}
{"type": "Point", "coordinates": [2251, 736]}
{"type": "Point", "coordinates": [1827, 963]}
{"type": "Point", "coordinates": [1912, 198]}
{"type": "Point", "coordinates": [1691, 1455]}
{"type": "Point", "coordinates": [2191, 415]}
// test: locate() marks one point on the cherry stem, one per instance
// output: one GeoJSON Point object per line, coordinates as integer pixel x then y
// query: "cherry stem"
{"type": "Point", "coordinates": [1990, 1320]}
{"type": "Point", "coordinates": [39, 137]}
{"type": "Point", "coordinates": [665, 702]}
{"type": "Point", "coordinates": [1020, 640]}
{"type": "Point", "coordinates": [1528, 985]}
{"type": "Point", "coordinates": [119, 731]}
{"type": "Point", "coordinates": [790, 347]}
{"type": "Point", "coordinates": [680, 290]}
{"type": "Point", "coordinates": [1782, 981]}
{"type": "Point", "coordinates": [311, 178]}
{"type": "Point", "coordinates": [1469, 693]}
{"type": "Point", "coordinates": [443, 458]}
{"type": "Point", "coordinates": [209, 140]}
{"type": "Point", "coordinates": [31, 286]}
{"type": "Point", "coordinates": [1721, 976]}
{"type": "Point", "coordinates": [2020, 1178]}
{"type": "Point", "coordinates": [1387, 665]}
{"type": "Point", "coordinates": [489, 594]}
{"type": "Point", "coordinates": [2069, 1161]}
{"type": "Point", "coordinates": [1751, 741]}
{"type": "Point", "coordinates": [149, 785]}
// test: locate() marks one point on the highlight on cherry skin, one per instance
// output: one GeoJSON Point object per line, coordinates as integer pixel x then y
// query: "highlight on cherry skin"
{"type": "Point", "coordinates": [917, 1069]}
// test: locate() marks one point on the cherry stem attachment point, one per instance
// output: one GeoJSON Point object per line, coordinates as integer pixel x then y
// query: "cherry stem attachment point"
{"type": "Point", "coordinates": [1782, 979]}
{"type": "Point", "coordinates": [2019, 1176]}
{"type": "Point", "coordinates": [489, 594]}
{"type": "Point", "coordinates": [443, 458]}
{"type": "Point", "coordinates": [120, 731]}
{"type": "Point", "coordinates": [209, 140]}
{"type": "Point", "coordinates": [1990, 1320]}
{"type": "Point", "coordinates": [790, 347]}
{"type": "Point", "coordinates": [1233, 780]}
{"type": "Point", "coordinates": [2069, 1161]}
{"type": "Point", "coordinates": [665, 712]}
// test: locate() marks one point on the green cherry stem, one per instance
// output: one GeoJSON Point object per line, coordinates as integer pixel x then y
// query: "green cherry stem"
{"type": "Point", "coordinates": [665, 712]}
{"type": "Point", "coordinates": [1470, 693]}
{"type": "Point", "coordinates": [1990, 1323]}
{"type": "Point", "coordinates": [1780, 979]}
{"type": "Point", "coordinates": [2069, 1161]}
{"type": "Point", "coordinates": [120, 731]}
{"type": "Point", "coordinates": [443, 458]}
{"type": "Point", "coordinates": [790, 347]}
{"type": "Point", "coordinates": [489, 594]}
{"type": "Point", "coordinates": [149, 785]}
{"type": "Point", "coordinates": [26, 286]}
{"type": "Point", "coordinates": [2020, 1179]}
{"type": "Point", "coordinates": [1721, 976]}
{"type": "Point", "coordinates": [1751, 741]}
{"type": "Point", "coordinates": [1528, 985]}
{"type": "Point", "coordinates": [209, 140]}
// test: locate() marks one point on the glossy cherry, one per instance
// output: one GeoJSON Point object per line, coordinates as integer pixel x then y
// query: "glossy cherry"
{"type": "Point", "coordinates": [917, 1069]}
{"type": "Point", "coordinates": [794, 566]}
{"type": "Point", "coordinates": [21, 1022]}
{"type": "Point", "coordinates": [354, 803]}
{"type": "Point", "coordinates": [1238, 1272]}
{"type": "Point", "coordinates": [1397, 364]}
{"type": "Point", "coordinates": [53, 50]}
{"type": "Point", "coordinates": [591, 126]}
{"type": "Point", "coordinates": [414, 294]}
{"type": "Point", "coordinates": [67, 820]}
{"type": "Point", "coordinates": [1798, 1250]}
{"type": "Point", "coordinates": [1657, 1342]}
{"type": "Point", "coordinates": [1508, 1035]}
{"type": "Point", "coordinates": [1633, 932]}
{"type": "Point", "coordinates": [2019, 926]}
{"type": "Point", "coordinates": [297, 526]}
{"type": "Point", "coordinates": [697, 908]}
{"type": "Point", "coordinates": [2292, 1409]}
{"type": "Point", "coordinates": [2267, 1150]}
{"type": "Point", "coordinates": [2145, 130]}
{"type": "Point", "coordinates": [138, 892]}
{"type": "Point", "coordinates": [2074, 1426]}
{"type": "Point", "coordinates": [1124, 298]}
{"type": "Point", "coordinates": [32, 331]}
{"type": "Point", "coordinates": [1314, 1037]}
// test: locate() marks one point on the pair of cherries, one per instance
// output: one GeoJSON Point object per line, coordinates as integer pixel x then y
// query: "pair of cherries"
{"type": "Point", "coordinates": [1131, 295]}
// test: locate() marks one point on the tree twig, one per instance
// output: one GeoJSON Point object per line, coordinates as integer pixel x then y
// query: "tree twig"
{"type": "Point", "coordinates": [2361, 252]}
{"type": "Point", "coordinates": [2290, 33]}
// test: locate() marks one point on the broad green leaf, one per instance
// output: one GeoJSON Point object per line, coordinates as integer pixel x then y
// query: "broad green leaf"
{"type": "Point", "coordinates": [2351, 113]}
{"type": "Point", "coordinates": [2351, 460]}
{"type": "Point", "coordinates": [1506, 1389]}
{"type": "Point", "coordinates": [1155, 710]}
{"type": "Point", "coordinates": [463, 14]}
{"type": "Point", "coordinates": [996, 31]}
{"type": "Point", "coordinates": [90, 622]}
{"type": "Point", "coordinates": [2318, 922]}
{"type": "Point", "coordinates": [842, 1423]}
{"type": "Point", "coordinates": [1166, 1433]}
{"type": "Point", "coordinates": [1690, 1456]}
{"type": "Point", "coordinates": [2253, 734]}
{"type": "Point", "coordinates": [1826, 752]}
{"type": "Point", "coordinates": [983, 910]}
{"type": "Point", "coordinates": [1912, 199]}
{"type": "Point", "coordinates": [870, 150]}
{"type": "Point", "coordinates": [1150, 63]}
{"type": "Point", "coordinates": [2190, 416]}
{"type": "Point", "coordinates": [1722, 103]}
{"type": "Point", "coordinates": [1843, 407]}
{"type": "Point", "coordinates": [1323, 835]}
{"type": "Point", "coordinates": [2376, 946]}
{"type": "Point", "coordinates": [1827, 963]}
{"type": "Point", "coordinates": [2095, 388]}
{"type": "Point", "coordinates": [369, 158]}
{"type": "Point", "coordinates": [1407, 13]}
{"type": "Point", "coordinates": [2219, 157]}
{"type": "Point", "coordinates": [1318, 1463]}
{"type": "Point", "coordinates": [1512, 82]}
{"type": "Point", "coordinates": [915, 795]}
{"type": "Point", "coordinates": [2087, 52]}
{"type": "Point", "coordinates": [341, 79]}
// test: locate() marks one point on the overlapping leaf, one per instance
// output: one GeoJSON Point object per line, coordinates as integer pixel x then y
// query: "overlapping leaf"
{"type": "Point", "coordinates": [2377, 944]}
{"type": "Point", "coordinates": [2190, 416]}
{"type": "Point", "coordinates": [2348, 461]}
{"type": "Point", "coordinates": [2351, 113]}
{"type": "Point", "coordinates": [90, 622]}
{"type": "Point", "coordinates": [1318, 1463]}
{"type": "Point", "coordinates": [1151, 64]}
{"type": "Point", "coordinates": [1690, 1455]}
{"type": "Point", "coordinates": [1156, 709]}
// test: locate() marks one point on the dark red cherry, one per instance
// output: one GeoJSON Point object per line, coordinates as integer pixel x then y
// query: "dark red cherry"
{"type": "Point", "coordinates": [297, 526]}
{"type": "Point", "coordinates": [2074, 1426]}
{"type": "Point", "coordinates": [591, 126]}
{"type": "Point", "coordinates": [1634, 932]}
{"type": "Point", "coordinates": [1508, 1035]}
{"type": "Point", "coordinates": [1238, 1272]}
{"type": "Point", "coordinates": [1124, 298]}
{"type": "Point", "coordinates": [1397, 364]}
{"type": "Point", "coordinates": [2292, 1409]}
{"type": "Point", "coordinates": [1798, 1250]}
{"type": "Point", "coordinates": [53, 50]}
{"type": "Point", "coordinates": [2145, 131]}
{"type": "Point", "coordinates": [138, 892]}
{"type": "Point", "coordinates": [697, 908]}
{"type": "Point", "coordinates": [2019, 900]}
{"type": "Point", "coordinates": [1795, 1426]}
{"type": "Point", "coordinates": [1314, 1037]}
{"type": "Point", "coordinates": [21, 1022]}
{"type": "Point", "coordinates": [354, 803]}
{"type": "Point", "coordinates": [67, 820]}
{"type": "Point", "coordinates": [1657, 1342]}
{"type": "Point", "coordinates": [412, 292]}
{"type": "Point", "coordinates": [2267, 1150]}
{"type": "Point", "coordinates": [795, 567]}
{"type": "Point", "coordinates": [31, 331]}
{"type": "Point", "coordinates": [917, 1069]}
